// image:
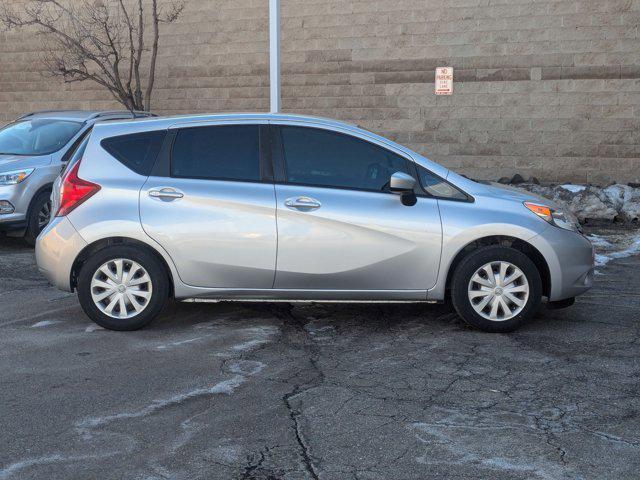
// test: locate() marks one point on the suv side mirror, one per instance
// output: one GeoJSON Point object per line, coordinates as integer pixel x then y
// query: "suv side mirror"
{"type": "Point", "coordinates": [403, 184]}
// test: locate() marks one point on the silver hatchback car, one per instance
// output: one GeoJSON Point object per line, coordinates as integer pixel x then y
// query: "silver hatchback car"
{"type": "Point", "coordinates": [293, 208]}
{"type": "Point", "coordinates": [33, 150]}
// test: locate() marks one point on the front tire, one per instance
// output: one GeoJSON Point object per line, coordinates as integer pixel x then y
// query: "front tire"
{"type": "Point", "coordinates": [496, 289]}
{"type": "Point", "coordinates": [123, 288]}
{"type": "Point", "coordinates": [38, 216]}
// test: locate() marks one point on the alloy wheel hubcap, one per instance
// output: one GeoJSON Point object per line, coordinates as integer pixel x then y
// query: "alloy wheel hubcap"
{"type": "Point", "coordinates": [44, 215]}
{"type": "Point", "coordinates": [498, 291]}
{"type": "Point", "coordinates": [121, 288]}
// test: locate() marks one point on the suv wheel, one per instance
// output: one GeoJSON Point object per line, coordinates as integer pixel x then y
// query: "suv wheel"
{"type": "Point", "coordinates": [496, 289]}
{"type": "Point", "coordinates": [123, 288]}
{"type": "Point", "coordinates": [38, 216]}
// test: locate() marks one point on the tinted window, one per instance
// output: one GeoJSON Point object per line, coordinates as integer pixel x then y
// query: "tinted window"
{"type": "Point", "coordinates": [227, 152]}
{"type": "Point", "coordinates": [324, 158]}
{"type": "Point", "coordinates": [37, 137]}
{"type": "Point", "coordinates": [438, 187]}
{"type": "Point", "coordinates": [137, 151]}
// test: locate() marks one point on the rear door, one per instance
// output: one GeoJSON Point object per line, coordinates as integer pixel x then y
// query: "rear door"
{"type": "Point", "coordinates": [211, 205]}
{"type": "Point", "coordinates": [339, 226]}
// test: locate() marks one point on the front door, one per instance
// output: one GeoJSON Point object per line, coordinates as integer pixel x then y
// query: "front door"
{"type": "Point", "coordinates": [215, 215]}
{"type": "Point", "coordinates": [339, 228]}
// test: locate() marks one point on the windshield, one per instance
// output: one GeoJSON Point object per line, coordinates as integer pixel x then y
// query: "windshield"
{"type": "Point", "coordinates": [37, 137]}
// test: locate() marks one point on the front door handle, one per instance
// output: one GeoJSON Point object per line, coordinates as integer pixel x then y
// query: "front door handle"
{"type": "Point", "coordinates": [303, 204]}
{"type": "Point", "coordinates": [166, 194]}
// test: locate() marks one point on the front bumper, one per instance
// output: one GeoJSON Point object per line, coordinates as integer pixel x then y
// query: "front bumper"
{"type": "Point", "coordinates": [570, 258]}
{"type": "Point", "coordinates": [19, 197]}
{"type": "Point", "coordinates": [57, 247]}
{"type": "Point", "coordinates": [8, 226]}
{"type": "Point", "coordinates": [13, 195]}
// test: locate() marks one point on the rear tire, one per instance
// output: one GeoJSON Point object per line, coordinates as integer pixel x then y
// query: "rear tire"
{"type": "Point", "coordinates": [38, 216]}
{"type": "Point", "coordinates": [479, 283]}
{"type": "Point", "coordinates": [123, 288]}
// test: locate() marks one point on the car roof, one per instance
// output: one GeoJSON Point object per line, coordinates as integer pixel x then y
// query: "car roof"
{"type": "Point", "coordinates": [83, 115]}
{"type": "Point", "coordinates": [175, 120]}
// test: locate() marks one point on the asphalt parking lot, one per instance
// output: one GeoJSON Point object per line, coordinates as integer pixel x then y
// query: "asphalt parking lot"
{"type": "Point", "coordinates": [250, 391]}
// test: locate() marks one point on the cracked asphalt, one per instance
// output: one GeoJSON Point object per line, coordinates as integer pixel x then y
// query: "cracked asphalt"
{"type": "Point", "coordinates": [275, 391]}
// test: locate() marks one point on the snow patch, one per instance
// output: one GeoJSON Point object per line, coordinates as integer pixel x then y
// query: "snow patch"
{"type": "Point", "coordinates": [93, 328]}
{"type": "Point", "coordinates": [31, 462]}
{"type": "Point", "coordinates": [177, 344]}
{"type": "Point", "coordinates": [246, 367]}
{"type": "Point", "coordinates": [45, 323]}
{"type": "Point", "coordinates": [261, 336]}
{"type": "Point", "coordinates": [227, 454]}
{"type": "Point", "coordinates": [249, 345]}
{"type": "Point", "coordinates": [603, 258]}
{"type": "Point", "coordinates": [599, 241]}
{"type": "Point", "coordinates": [10, 470]}
{"type": "Point", "coordinates": [574, 188]}
{"type": "Point", "coordinates": [454, 439]}
{"type": "Point", "coordinates": [225, 387]}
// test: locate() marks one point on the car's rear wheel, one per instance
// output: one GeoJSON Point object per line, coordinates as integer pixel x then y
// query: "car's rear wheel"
{"type": "Point", "coordinates": [38, 216]}
{"type": "Point", "coordinates": [496, 289]}
{"type": "Point", "coordinates": [123, 287]}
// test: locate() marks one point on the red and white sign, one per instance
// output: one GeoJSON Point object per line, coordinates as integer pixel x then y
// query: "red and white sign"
{"type": "Point", "coordinates": [444, 81]}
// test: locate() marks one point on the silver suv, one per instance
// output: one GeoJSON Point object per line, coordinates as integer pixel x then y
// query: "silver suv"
{"type": "Point", "coordinates": [292, 208]}
{"type": "Point", "coordinates": [33, 149]}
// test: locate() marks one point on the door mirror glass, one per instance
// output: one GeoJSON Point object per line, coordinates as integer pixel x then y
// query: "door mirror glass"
{"type": "Point", "coordinates": [401, 182]}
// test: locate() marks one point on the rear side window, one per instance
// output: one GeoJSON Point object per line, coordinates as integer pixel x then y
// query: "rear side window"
{"type": "Point", "coordinates": [137, 151]}
{"type": "Point", "coordinates": [225, 152]}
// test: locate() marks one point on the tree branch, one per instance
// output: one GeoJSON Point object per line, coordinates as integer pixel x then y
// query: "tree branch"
{"type": "Point", "coordinates": [93, 40]}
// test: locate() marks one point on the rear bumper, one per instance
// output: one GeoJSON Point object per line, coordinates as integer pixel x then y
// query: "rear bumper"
{"type": "Point", "coordinates": [570, 258]}
{"type": "Point", "coordinates": [57, 247]}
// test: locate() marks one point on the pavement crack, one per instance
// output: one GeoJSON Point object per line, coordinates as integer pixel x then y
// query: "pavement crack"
{"type": "Point", "coordinates": [299, 336]}
{"type": "Point", "coordinates": [254, 467]}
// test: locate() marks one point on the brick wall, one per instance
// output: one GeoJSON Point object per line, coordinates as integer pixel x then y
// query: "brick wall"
{"type": "Point", "coordinates": [544, 88]}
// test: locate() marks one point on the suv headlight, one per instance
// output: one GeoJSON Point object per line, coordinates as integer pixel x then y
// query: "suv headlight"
{"type": "Point", "coordinates": [15, 177]}
{"type": "Point", "coordinates": [560, 218]}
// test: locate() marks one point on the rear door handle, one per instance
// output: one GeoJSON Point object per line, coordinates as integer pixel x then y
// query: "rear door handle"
{"type": "Point", "coordinates": [165, 193]}
{"type": "Point", "coordinates": [303, 204]}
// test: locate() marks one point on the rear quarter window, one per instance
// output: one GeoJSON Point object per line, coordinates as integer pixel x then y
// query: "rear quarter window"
{"type": "Point", "coordinates": [137, 151]}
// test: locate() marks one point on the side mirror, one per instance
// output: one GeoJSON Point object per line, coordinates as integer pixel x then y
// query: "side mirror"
{"type": "Point", "coordinates": [403, 184]}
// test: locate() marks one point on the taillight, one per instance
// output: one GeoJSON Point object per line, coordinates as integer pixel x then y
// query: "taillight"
{"type": "Point", "coordinates": [74, 191]}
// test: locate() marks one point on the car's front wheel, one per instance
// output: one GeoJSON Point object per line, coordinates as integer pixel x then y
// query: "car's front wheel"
{"type": "Point", "coordinates": [38, 216]}
{"type": "Point", "coordinates": [122, 287]}
{"type": "Point", "coordinates": [496, 289]}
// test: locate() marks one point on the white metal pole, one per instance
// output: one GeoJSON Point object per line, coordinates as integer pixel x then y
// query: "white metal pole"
{"type": "Point", "coordinates": [274, 54]}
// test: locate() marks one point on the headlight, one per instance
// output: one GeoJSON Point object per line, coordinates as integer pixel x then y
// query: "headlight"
{"type": "Point", "coordinates": [560, 218]}
{"type": "Point", "coordinates": [15, 177]}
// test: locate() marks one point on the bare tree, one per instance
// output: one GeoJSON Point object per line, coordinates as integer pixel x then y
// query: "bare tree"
{"type": "Point", "coordinates": [103, 41]}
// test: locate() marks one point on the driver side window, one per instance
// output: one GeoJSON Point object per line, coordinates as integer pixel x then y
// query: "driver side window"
{"type": "Point", "coordinates": [324, 158]}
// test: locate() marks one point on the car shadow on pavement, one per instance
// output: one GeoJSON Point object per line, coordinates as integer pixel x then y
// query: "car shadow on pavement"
{"type": "Point", "coordinates": [11, 244]}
